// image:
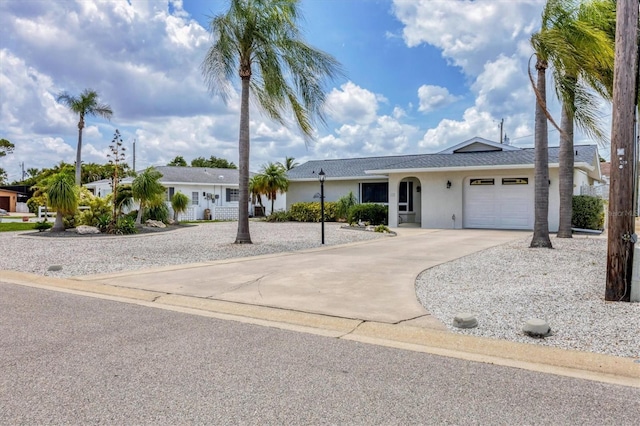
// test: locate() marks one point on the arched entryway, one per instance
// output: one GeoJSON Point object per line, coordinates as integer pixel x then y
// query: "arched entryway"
{"type": "Point", "coordinates": [409, 202]}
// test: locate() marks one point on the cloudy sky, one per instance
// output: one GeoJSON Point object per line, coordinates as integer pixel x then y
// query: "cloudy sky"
{"type": "Point", "coordinates": [419, 75]}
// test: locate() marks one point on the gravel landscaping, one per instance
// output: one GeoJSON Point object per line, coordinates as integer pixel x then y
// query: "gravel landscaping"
{"type": "Point", "coordinates": [99, 254]}
{"type": "Point", "coordinates": [506, 285]}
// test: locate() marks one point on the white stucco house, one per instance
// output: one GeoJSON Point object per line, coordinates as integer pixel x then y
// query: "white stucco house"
{"type": "Point", "coordinates": [475, 184]}
{"type": "Point", "coordinates": [213, 192]}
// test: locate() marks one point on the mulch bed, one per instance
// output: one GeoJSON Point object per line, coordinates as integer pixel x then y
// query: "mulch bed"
{"type": "Point", "coordinates": [71, 233]}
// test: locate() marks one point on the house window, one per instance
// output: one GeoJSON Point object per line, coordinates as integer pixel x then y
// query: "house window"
{"type": "Point", "coordinates": [233, 194]}
{"type": "Point", "coordinates": [482, 181]}
{"type": "Point", "coordinates": [377, 192]}
{"type": "Point", "coordinates": [515, 181]}
{"type": "Point", "coordinates": [170, 191]}
{"type": "Point", "coordinates": [194, 198]}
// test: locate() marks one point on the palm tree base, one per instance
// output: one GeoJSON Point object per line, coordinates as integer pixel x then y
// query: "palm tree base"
{"type": "Point", "coordinates": [540, 243]}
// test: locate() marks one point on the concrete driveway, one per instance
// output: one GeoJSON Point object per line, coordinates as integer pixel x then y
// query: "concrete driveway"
{"type": "Point", "coordinates": [369, 281]}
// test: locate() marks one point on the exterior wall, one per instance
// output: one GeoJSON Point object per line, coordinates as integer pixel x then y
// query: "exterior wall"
{"type": "Point", "coordinates": [333, 190]}
{"type": "Point", "coordinates": [580, 178]}
{"type": "Point", "coordinates": [12, 197]}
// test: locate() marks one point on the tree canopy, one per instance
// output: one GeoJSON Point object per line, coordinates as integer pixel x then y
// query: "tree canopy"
{"type": "Point", "coordinates": [6, 147]}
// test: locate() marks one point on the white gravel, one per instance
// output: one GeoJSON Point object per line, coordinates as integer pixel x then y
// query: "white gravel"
{"type": "Point", "coordinates": [87, 255]}
{"type": "Point", "coordinates": [506, 285]}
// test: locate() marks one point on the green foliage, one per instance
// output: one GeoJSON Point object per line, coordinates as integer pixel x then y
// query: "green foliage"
{"type": "Point", "coordinates": [98, 207]}
{"type": "Point", "coordinates": [36, 201]}
{"type": "Point", "coordinates": [213, 162]}
{"type": "Point", "coordinates": [156, 212]}
{"type": "Point", "coordinates": [3, 176]}
{"type": "Point", "coordinates": [17, 226]}
{"type": "Point", "coordinates": [310, 211]}
{"type": "Point", "coordinates": [6, 147]}
{"type": "Point", "coordinates": [179, 203]}
{"type": "Point", "coordinates": [270, 181]}
{"type": "Point", "coordinates": [124, 226]}
{"type": "Point", "coordinates": [381, 228]}
{"type": "Point", "coordinates": [374, 214]}
{"type": "Point", "coordinates": [588, 212]}
{"type": "Point", "coordinates": [62, 195]}
{"type": "Point", "coordinates": [102, 222]}
{"type": "Point", "coordinates": [344, 205]}
{"type": "Point", "coordinates": [147, 189]}
{"type": "Point", "coordinates": [43, 225]}
{"type": "Point", "coordinates": [178, 161]}
{"type": "Point", "coordinates": [279, 216]}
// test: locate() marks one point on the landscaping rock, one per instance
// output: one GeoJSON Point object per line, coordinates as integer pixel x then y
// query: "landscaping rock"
{"type": "Point", "coordinates": [536, 328]}
{"type": "Point", "coordinates": [155, 224]}
{"type": "Point", "coordinates": [465, 320]}
{"type": "Point", "coordinates": [54, 268]}
{"type": "Point", "coordinates": [84, 229]}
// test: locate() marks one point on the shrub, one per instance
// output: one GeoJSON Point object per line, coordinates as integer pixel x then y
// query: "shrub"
{"type": "Point", "coordinates": [381, 228]}
{"type": "Point", "coordinates": [124, 226]}
{"type": "Point", "coordinates": [374, 214]}
{"type": "Point", "coordinates": [344, 204]}
{"type": "Point", "coordinates": [588, 212]}
{"type": "Point", "coordinates": [43, 225]}
{"type": "Point", "coordinates": [278, 216]}
{"type": "Point", "coordinates": [159, 212]}
{"type": "Point", "coordinates": [103, 222]}
{"type": "Point", "coordinates": [310, 211]}
{"type": "Point", "coordinates": [98, 207]}
{"type": "Point", "coordinates": [34, 202]}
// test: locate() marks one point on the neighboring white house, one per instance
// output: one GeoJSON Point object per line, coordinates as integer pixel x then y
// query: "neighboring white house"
{"type": "Point", "coordinates": [213, 192]}
{"type": "Point", "coordinates": [475, 184]}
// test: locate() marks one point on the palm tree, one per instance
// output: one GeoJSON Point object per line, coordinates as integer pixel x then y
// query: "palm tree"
{"type": "Point", "coordinates": [289, 163]}
{"type": "Point", "coordinates": [256, 190]}
{"type": "Point", "coordinates": [178, 161]}
{"type": "Point", "coordinates": [147, 190]}
{"type": "Point", "coordinates": [179, 203]}
{"type": "Point", "coordinates": [271, 181]}
{"type": "Point", "coordinates": [84, 105]}
{"type": "Point", "coordinates": [260, 40]}
{"type": "Point", "coordinates": [62, 196]}
{"type": "Point", "coordinates": [581, 57]}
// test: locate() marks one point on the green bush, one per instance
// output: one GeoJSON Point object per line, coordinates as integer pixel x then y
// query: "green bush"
{"type": "Point", "coordinates": [34, 202]}
{"type": "Point", "coordinates": [98, 207]}
{"type": "Point", "coordinates": [588, 212]}
{"type": "Point", "coordinates": [278, 216]}
{"type": "Point", "coordinates": [159, 212]}
{"type": "Point", "coordinates": [382, 229]}
{"type": "Point", "coordinates": [124, 226]}
{"type": "Point", "coordinates": [373, 214]}
{"type": "Point", "coordinates": [310, 211]}
{"type": "Point", "coordinates": [344, 204]}
{"type": "Point", "coordinates": [43, 225]}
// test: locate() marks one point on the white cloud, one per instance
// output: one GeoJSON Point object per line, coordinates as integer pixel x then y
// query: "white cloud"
{"type": "Point", "coordinates": [434, 97]}
{"type": "Point", "coordinates": [352, 103]}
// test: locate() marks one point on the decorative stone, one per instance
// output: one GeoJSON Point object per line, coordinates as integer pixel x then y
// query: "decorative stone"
{"type": "Point", "coordinates": [155, 224]}
{"type": "Point", "coordinates": [54, 268]}
{"type": "Point", "coordinates": [84, 229]}
{"type": "Point", "coordinates": [536, 328]}
{"type": "Point", "coordinates": [465, 320]}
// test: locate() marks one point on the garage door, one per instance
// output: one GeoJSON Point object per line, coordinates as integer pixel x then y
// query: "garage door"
{"type": "Point", "coordinates": [498, 203]}
{"type": "Point", "coordinates": [5, 203]}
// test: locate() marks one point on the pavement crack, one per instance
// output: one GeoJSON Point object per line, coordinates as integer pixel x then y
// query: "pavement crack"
{"type": "Point", "coordinates": [351, 331]}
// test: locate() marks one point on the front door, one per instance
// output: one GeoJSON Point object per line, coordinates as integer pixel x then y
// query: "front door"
{"type": "Point", "coordinates": [405, 202]}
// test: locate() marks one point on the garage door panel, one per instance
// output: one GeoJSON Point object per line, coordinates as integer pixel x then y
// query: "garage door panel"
{"type": "Point", "coordinates": [498, 206]}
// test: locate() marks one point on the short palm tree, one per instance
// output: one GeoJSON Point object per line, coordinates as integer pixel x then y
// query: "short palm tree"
{"type": "Point", "coordinates": [179, 204]}
{"type": "Point", "coordinates": [256, 190]}
{"type": "Point", "coordinates": [271, 181]}
{"type": "Point", "coordinates": [84, 105]}
{"type": "Point", "coordinates": [261, 42]}
{"type": "Point", "coordinates": [147, 190]}
{"type": "Point", "coordinates": [62, 196]}
{"type": "Point", "coordinates": [289, 163]}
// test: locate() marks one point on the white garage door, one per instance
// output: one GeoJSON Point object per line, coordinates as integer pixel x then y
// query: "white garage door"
{"type": "Point", "coordinates": [498, 203]}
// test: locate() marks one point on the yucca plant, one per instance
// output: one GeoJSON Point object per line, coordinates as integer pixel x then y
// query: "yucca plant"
{"type": "Point", "coordinates": [62, 196]}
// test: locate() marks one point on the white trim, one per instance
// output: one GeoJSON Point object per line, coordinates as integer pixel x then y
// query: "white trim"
{"type": "Point", "coordinates": [480, 140]}
{"type": "Point", "coordinates": [367, 177]}
{"type": "Point", "coordinates": [473, 168]}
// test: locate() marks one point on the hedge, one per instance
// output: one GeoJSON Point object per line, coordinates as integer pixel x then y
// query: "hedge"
{"type": "Point", "coordinates": [588, 212]}
{"type": "Point", "coordinates": [310, 211]}
{"type": "Point", "coordinates": [374, 214]}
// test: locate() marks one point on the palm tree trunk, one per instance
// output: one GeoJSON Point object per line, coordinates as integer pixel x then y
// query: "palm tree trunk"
{"type": "Point", "coordinates": [566, 160]}
{"type": "Point", "coordinates": [58, 225]}
{"type": "Point", "coordinates": [243, 236]}
{"type": "Point", "coordinates": [79, 152]}
{"type": "Point", "coordinates": [541, 199]}
{"type": "Point", "coordinates": [273, 200]}
{"type": "Point", "coordinates": [139, 216]}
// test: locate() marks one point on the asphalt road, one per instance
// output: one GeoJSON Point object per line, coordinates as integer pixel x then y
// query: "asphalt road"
{"type": "Point", "coordinates": [68, 359]}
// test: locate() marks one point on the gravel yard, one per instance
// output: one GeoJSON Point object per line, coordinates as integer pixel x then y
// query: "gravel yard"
{"type": "Point", "coordinates": [505, 285]}
{"type": "Point", "coordinates": [86, 255]}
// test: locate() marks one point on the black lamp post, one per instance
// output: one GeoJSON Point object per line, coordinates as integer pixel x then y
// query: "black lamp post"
{"type": "Point", "coordinates": [321, 177]}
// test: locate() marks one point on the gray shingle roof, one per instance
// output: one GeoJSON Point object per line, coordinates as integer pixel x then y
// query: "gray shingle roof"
{"type": "Point", "coordinates": [356, 167]}
{"type": "Point", "coordinates": [208, 175]}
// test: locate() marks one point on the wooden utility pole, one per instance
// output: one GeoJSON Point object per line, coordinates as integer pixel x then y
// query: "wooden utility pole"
{"type": "Point", "coordinates": [621, 229]}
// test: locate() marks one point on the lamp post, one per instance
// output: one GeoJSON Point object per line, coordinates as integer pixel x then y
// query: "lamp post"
{"type": "Point", "coordinates": [321, 177]}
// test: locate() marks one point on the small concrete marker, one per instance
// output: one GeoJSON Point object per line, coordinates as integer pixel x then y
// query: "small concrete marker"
{"type": "Point", "coordinates": [535, 327]}
{"type": "Point", "coordinates": [54, 268]}
{"type": "Point", "coordinates": [465, 320]}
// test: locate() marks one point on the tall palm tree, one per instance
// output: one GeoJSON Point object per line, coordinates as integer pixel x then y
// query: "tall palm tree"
{"type": "Point", "coordinates": [581, 58]}
{"type": "Point", "coordinates": [62, 196]}
{"type": "Point", "coordinates": [147, 190]}
{"type": "Point", "coordinates": [289, 163]}
{"type": "Point", "coordinates": [84, 105]}
{"type": "Point", "coordinates": [271, 181]}
{"type": "Point", "coordinates": [260, 40]}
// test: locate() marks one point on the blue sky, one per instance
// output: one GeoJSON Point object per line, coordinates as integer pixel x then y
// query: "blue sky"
{"type": "Point", "coordinates": [420, 75]}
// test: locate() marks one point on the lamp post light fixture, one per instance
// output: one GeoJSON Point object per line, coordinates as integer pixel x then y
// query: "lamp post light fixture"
{"type": "Point", "coordinates": [321, 177]}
